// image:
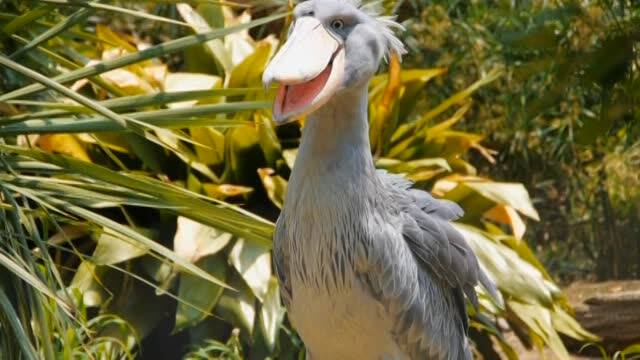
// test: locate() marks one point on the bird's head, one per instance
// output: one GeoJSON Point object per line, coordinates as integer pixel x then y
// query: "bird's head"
{"type": "Point", "coordinates": [333, 45]}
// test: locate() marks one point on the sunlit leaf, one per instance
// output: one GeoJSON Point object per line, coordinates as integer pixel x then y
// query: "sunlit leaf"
{"type": "Point", "coordinates": [271, 314]}
{"type": "Point", "coordinates": [212, 151]}
{"type": "Point", "coordinates": [194, 241]}
{"type": "Point", "coordinates": [275, 185]}
{"type": "Point", "coordinates": [175, 82]}
{"type": "Point", "coordinates": [514, 195]}
{"type": "Point", "coordinates": [512, 275]}
{"type": "Point", "coordinates": [64, 144]}
{"type": "Point", "coordinates": [112, 250]}
{"type": "Point", "coordinates": [507, 215]}
{"type": "Point", "coordinates": [224, 191]}
{"type": "Point", "coordinates": [200, 25]}
{"type": "Point", "coordinates": [253, 262]}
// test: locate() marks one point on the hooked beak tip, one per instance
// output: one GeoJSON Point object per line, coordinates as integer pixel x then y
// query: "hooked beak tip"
{"type": "Point", "coordinates": [279, 119]}
{"type": "Point", "coordinates": [267, 80]}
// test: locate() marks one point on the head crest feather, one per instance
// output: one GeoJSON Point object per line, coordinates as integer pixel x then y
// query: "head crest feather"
{"type": "Point", "coordinates": [386, 24]}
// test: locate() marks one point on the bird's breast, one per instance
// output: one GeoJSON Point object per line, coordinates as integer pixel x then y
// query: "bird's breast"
{"type": "Point", "coordinates": [346, 324]}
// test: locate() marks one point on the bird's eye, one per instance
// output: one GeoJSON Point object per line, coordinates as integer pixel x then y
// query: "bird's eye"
{"type": "Point", "coordinates": [337, 24]}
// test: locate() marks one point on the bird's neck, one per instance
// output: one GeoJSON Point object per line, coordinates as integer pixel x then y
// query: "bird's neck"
{"type": "Point", "coordinates": [335, 140]}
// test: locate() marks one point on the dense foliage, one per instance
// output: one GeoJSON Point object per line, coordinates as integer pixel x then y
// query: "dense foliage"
{"type": "Point", "coordinates": [564, 116]}
{"type": "Point", "coordinates": [141, 173]}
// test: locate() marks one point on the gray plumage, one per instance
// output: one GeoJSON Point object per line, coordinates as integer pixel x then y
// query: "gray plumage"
{"type": "Point", "coordinates": [369, 267]}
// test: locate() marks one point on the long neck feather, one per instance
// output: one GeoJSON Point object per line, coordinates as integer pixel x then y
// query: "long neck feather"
{"type": "Point", "coordinates": [335, 140]}
{"type": "Point", "coordinates": [334, 158]}
{"type": "Point", "coordinates": [330, 192]}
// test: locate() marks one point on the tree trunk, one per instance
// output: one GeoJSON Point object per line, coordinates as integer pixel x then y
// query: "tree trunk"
{"type": "Point", "coordinates": [609, 309]}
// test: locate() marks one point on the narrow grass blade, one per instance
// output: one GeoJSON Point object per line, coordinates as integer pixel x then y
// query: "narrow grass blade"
{"type": "Point", "coordinates": [123, 103]}
{"type": "Point", "coordinates": [32, 280]}
{"type": "Point", "coordinates": [75, 18]}
{"type": "Point", "coordinates": [18, 330]}
{"type": "Point", "coordinates": [130, 233]}
{"type": "Point", "coordinates": [25, 19]}
{"type": "Point", "coordinates": [223, 216]}
{"type": "Point", "coordinates": [45, 25]}
{"type": "Point", "coordinates": [69, 64]}
{"type": "Point", "coordinates": [61, 89]}
{"type": "Point", "coordinates": [213, 2]}
{"type": "Point", "coordinates": [118, 9]}
{"type": "Point", "coordinates": [168, 118]}
{"type": "Point", "coordinates": [168, 47]}
{"type": "Point", "coordinates": [131, 124]}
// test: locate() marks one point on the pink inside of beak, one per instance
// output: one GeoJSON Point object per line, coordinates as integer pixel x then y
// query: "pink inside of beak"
{"type": "Point", "coordinates": [295, 98]}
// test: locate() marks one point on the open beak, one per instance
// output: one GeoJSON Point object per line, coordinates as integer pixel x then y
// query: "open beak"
{"type": "Point", "coordinates": [309, 68]}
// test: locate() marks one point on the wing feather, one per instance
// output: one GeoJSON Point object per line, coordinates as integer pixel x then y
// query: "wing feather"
{"type": "Point", "coordinates": [422, 271]}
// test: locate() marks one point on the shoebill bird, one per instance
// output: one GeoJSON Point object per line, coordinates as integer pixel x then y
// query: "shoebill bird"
{"type": "Point", "coordinates": [369, 267]}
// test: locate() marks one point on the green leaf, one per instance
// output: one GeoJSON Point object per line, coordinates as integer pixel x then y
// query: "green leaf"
{"type": "Point", "coordinates": [399, 166]}
{"type": "Point", "coordinates": [13, 266]}
{"type": "Point", "coordinates": [538, 319]}
{"type": "Point", "coordinates": [199, 25]}
{"type": "Point", "coordinates": [511, 274]}
{"type": "Point", "coordinates": [289, 156]}
{"type": "Point", "coordinates": [202, 296]}
{"type": "Point", "coordinates": [124, 122]}
{"type": "Point", "coordinates": [180, 82]}
{"type": "Point", "coordinates": [135, 237]}
{"type": "Point", "coordinates": [122, 103]}
{"type": "Point", "coordinates": [238, 307]}
{"type": "Point", "coordinates": [118, 9]}
{"type": "Point", "coordinates": [564, 323]}
{"type": "Point", "coordinates": [17, 23]}
{"type": "Point", "coordinates": [86, 279]}
{"type": "Point", "coordinates": [212, 151]}
{"type": "Point", "coordinates": [249, 71]}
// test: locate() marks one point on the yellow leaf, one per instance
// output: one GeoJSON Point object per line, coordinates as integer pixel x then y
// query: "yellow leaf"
{"type": "Point", "coordinates": [116, 40]}
{"type": "Point", "coordinates": [385, 105]}
{"type": "Point", "coordinates": [65, 144]}
{"type": "Point", "coordinates": [249, 71]}
{"type": "Point", "coordinates": [275, 185]}
{"type": "Point", "coordinates": [512, 194]}
{"type": "Point", "coordinates": [225, 190]}
{"type": "Point", "coordinates": [155, 74]}
{"type": "Point", "coordinates": [128, 81]}
{"type": "Point", "coordinates": [113, 141]}
{"type": "Point", "coordinates": [507, 215]}
{"type": "Point", "coordinates": [213, 153]}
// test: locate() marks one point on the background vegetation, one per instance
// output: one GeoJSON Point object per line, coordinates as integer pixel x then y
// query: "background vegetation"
{"type": "Point", "coordinates": [141, 174]}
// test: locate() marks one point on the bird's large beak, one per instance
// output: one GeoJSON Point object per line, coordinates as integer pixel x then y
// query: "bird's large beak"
{"type": "Point", "coordinates": [309, 68]}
